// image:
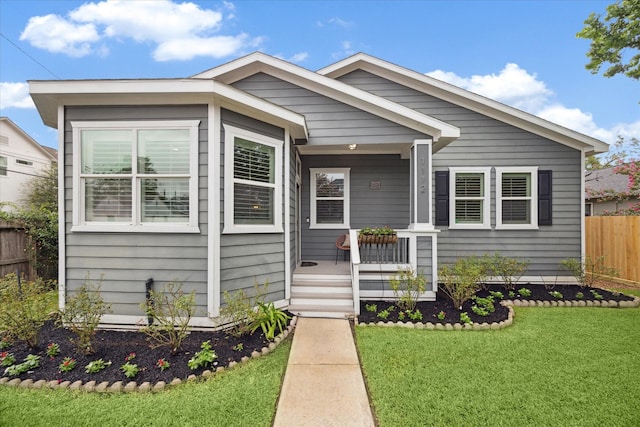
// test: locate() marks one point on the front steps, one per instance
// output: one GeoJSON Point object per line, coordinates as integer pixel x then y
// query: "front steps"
{"type": "Point", "coordinates": [326, 295]}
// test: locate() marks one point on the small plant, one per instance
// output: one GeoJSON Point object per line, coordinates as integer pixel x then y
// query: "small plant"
{"type": "Point", "coordinates": [401, 315]}
{"type": "Point", "coordinates": [169, 312]}
{"type": "Point", "coordinates": [204, 357]}
{"type": "Point", "coordinates": [53, 350]}
{"type": "Point", "coordinates": [462, 280]}
{"type": "Point", "coordinates": [371, 308]}
{"type": "Point", "coordinates": [509, 269]}
{"type": "Point", "coordinates": [483, 306]}
{"type": "Point", "coordinates": [5, 343]}
{"type": "Point", "coordinates": [238, 347]}
{"type": "Point", "coordinates": [441, 315]}
{"type": "Point", "coordinates": [269, 318]}
{"type": "Point", "coordinates": [96, 366]}
{"type": "Point", "coordinates": [383, 314]}
{"type": "Point", "coordinates": [595, 294]}
{"type": "Point", "coordinates": [68, 364]}
{"type": "Point", "coordinates": [524, 292]}
{"type": "Point", "coordinates": [407, 286]}
{"type": "Point", "coordinates": [238, 308]}
{"type": "Point", "coordinates": [82, 314]}
{"type": "Point", "coordinates": [464, 318]}
{"type": "Point", "coordinates": [7, 359]}
{"type": "Point", "coordinates": [162, 364]}
{"type": "Point", "coordinates": [496, 294]}
{"type": "Point", "coordinates": [30, 362]}
{"type": "Point", "coordinates": [130, 370]}
{"type": "Point", "coordinates": [556, 294]}
{"type": "Point", "coordinates": [579, 295]}
{"type": "Point", "coordinates": [586, 273]}
{"type": "Point", "coordinates": [130, 357]}
{"type": "Point", "coordinates": [512, 294]}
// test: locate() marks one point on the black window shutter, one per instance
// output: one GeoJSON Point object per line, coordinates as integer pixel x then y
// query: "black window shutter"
{"type": "Point", "coordinates": [442, 198]}
{"type": "Point", "coordinates": [544, 198]}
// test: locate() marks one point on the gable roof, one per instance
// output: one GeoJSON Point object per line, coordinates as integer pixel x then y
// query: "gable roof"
{"type": "Point", "coordinates": [605, 181]}
{"type": "Point", "coordinates": [443, 133]}
{"type": "Point", "coordinates": [50, 153]}
{"type": "Point", "coordinates": [466, 99]}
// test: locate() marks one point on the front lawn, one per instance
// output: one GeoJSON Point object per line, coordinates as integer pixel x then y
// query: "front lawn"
{"type": "Point", "coordinates": [554, 366]}
{"type": "Point", "coordinates": [243, 396]}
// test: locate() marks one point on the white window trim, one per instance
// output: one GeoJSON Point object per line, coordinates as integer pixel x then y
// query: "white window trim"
{"type": "Point", "coordinates": [79, 223]}
{"type": "Point", "coordinates": [486, 206]}
{"type": "Point", "coordinates": [347, 198]}
{"type": "Point", "coordinates": [533, 170]}
{"type": "Point", "coordinates": [230, 133]}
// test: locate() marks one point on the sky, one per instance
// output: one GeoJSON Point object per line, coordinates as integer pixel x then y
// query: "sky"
{"type": "Point", "coordinates": [521, 53]}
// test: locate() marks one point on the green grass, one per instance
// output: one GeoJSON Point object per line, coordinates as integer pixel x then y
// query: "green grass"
{"type": "Point", "coordinates": [554, 366]}
{"type": "Point", "coordinates": [243, 396]}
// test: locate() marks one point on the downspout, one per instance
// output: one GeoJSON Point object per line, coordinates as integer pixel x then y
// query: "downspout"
{"type": "Point", "coordinates": [149, 288]}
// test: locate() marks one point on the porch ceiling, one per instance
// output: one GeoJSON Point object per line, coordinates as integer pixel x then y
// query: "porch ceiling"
{"type": "Point", "coordinates": [343, 149]}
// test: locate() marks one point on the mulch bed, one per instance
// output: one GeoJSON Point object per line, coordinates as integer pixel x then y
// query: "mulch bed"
{"type": "Point", "coordinates": [115, 346]}
{"type": "Point", "coordinates": [431, 309]}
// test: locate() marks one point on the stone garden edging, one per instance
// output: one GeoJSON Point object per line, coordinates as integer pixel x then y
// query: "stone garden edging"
{"type": "Point", "coordinates": [132, 386]}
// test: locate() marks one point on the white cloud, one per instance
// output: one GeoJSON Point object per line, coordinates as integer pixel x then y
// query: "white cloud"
{"type": "Point", "coordinates": [518, 88]}
{"type": "Point", "coordinates": [339, 22]}
{"type": "Point", "coordinates": [299, 57]}
{"type": "Point", "coordinates": [346, 50]}
{"type": "Point", "coordinates": [171, 26]}
{"type": "Point", "coordinates": [15, 95]}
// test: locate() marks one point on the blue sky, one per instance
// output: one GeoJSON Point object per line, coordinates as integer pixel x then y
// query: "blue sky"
{"type": "Point", "coordinates": [521, 53]}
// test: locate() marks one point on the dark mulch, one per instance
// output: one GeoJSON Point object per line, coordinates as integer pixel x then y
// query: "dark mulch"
{"type": "Point", "coordinates": [115, 346]}
{"type": "Point", "coordinates": [430, 309]}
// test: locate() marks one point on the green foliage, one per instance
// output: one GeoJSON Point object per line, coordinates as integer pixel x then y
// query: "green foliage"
{"type": "Point", "coordinates": [204, 357]}
{"type": "Point", "coordinates": [7, 359]}
{"type": "Point", "coordinates": [509, 269]}
{"type": "Point", "coordinates": [465, 319]}
{"type": "Point", "coordinates": [239, 308]}
{"type": "Point", "coordinates": [496, 294]}
{"type": "Point", "coordinates": [407, 286]}
{"type": "Point", "coordinates": [24, 308]}
{"type": "Point", "coordinates": [171, 310]}
{"type": "Point", "coordinates": [82, 313]}
{"type": "Point", "coordinates": [524, 292]}
{"type": "Point", "coordinates": [414, 314]}
{"type": "Point", "coordinates": [587, 273]}
{"type": "Point", "coordinates": [130, 370]}
{"type": "Point", "coordinates": [30, 362]}
{"type": "Point", "coordinates": [483, 306]}
{"type": "Point", "coordinates": [269, 318]}
{"type": "Point", "coordinates": [96, 366]}
{"type": "Point", "coordinates": [68, 364]}
{"type": "Point", "coordinates": [595, 294]}
{"type": "Point", "coordinates": [53, 349]}
{"type": "Point", "coordinates": [371, 308]}
{"type": "Point", "coordinates": [163, 364]}
{"type": "Point", "coordinates": [614, 39]}
{"type": "Point", "coordinates": [579, 295]}
{"type": "Point", "coordinates": [383, 314]}
{"type": "Point", "coordinates": [238, 347]}
{"type": "Point", "coordinates": [462, 280]}
{"type": "Point", "coordinates": [556, 294]}
{"type": "Point", "coordinates": [441, 315]}
{"type": "Point", "coordinates": [5, 343]}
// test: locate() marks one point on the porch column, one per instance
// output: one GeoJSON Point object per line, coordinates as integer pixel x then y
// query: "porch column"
{"type": "Point", "coordinates": [421, 172]}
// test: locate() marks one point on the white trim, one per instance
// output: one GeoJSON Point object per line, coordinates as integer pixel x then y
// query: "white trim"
{"type": "Point", "coordinates": [541, 280]}
{"type": "Point", "coordinates": [287, 215]}
{"type": "Point", "coordinates": [346, 198]}
{"type": "Point", "coordinates": [466, 99]}
{"type": "Point", "coordinates": [135, 224]}
{"type": "Point", "coordinates": [388, 295]}
{"type": "Point", "coordinates": [230, 133]}
{"type": "Point", "coordinates": [533, 215]}
{"type": "Point", "coordinates": [213, 214]}
{"type": "Point", "coordinates": [583, 239]}
{"type": "Point", "coordinates": [486, 205]}
{"type": "Point", "coordinates": [62, 229]}
{"type": "Point", "coordinates": [415, 225]}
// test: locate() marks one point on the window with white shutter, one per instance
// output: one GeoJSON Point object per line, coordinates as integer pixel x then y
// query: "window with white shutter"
{"type": "Point", "coordinates": [516, 198]}
{"type": "Point", "coordinates": [469, 202]}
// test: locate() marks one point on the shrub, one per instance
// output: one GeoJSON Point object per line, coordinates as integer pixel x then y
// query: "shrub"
{"type": "Point", "coordinates": [204, 357]}
{"type": "Point", "coordinates": [25, 307]}
{"type": "Point", "coordinates": [170, 312]}
{"type": "Point", "coordinates": [269, 318]}
{"type": "Point", "coordinates": [82, 313]}
{"type": "Point", "coordinates": [483, 306]}
{"type": "Point", "coordinates": [407, 287]}
{"type": "Point", "coordinates": [462, 280]}
{"type": "Point", "coordinates": [510, 270]}
{"type": "Point", "coordinates": [239, 308]}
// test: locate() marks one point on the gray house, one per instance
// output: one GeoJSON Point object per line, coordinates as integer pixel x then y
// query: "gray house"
{"type": "Point", "coordinates": [607, 191]}
{"type": "Point", "coordinates": [251, 171]}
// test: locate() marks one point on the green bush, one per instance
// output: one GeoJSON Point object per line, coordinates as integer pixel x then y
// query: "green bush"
{"type": "Point", "coordinates": [82, 313]}
{"type": "Point", "coordinates": [407, 287]}
{"type": "Point", "coordinates": [463, 279]}
{"type": "Point", "coordinates": [170, 311]}
{"type": "Point", "coordinates": [269, 318]}
{"type": "Point", "coordinates": [239, 308]}
{"type": "Point", "coordinates": [24, 308]}
{"type": "Point", "coordinates": [509, 269]}
{"type": "Point", "coordinates": [587, 273]}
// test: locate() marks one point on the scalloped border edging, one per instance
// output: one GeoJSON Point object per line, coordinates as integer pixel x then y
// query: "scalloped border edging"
{"type": "Point", "coordinates": [132, 386]}
{"type": "Point", "coordinates": [503, 324]}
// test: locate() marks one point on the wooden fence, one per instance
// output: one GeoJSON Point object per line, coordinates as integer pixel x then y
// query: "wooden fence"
{"type": "Point", "coordinates": [617, 238]}
{"type": "Point", "coordinates": [13, 251]}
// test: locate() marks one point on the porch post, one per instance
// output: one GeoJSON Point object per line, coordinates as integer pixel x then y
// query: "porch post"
{"type": "Point", "coordinates": [421, 178]}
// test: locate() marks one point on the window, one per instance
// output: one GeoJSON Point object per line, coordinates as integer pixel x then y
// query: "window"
{"type": "Point", "coordinates": [24, 162]}
{"type": "Point", "coordinates": [470, 192]}
{"type": "Point", "coordinates": [135, 176]}
{"type": "Point", "coordinates": [588, 209]}
{"type": "Point", "coordinates": [330, 198]}
{"type": "Point", "coordinates": [3, 166]}
{"type": "Point", "coordinates": [253, 182]}
{"type": "Point", "coordinates": [516, 198]}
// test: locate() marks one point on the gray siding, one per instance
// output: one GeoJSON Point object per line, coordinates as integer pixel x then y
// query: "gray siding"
{"type": "Point", "coordinates": [330, 122]}
{"type": "Point", "coordinates": [488, 142]}
{"type": "Point", "coordinates": [369, 208]}
{"type": "Point", "coordinates": [246, 259]}
{"type": "Point", "coordinates": [126, 260]}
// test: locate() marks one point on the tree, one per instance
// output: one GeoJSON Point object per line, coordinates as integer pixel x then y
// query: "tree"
{"type": "Point", "coordinates": [615, 38]}
{"type": "Point", "coordinates": [42, 191]}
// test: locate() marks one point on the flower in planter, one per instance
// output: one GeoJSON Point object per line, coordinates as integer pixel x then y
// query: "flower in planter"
{"type": "Point", "coordinates": [441, 315]}
{"type": "Point", "coordinates": [68, 364]}
{"type": "Point", "coordinates": [130, 357]}
{"type": "Point", "coordinates": [53, 350]}
{"type": "Point", "coordinates": [162, 364]}
{"type": "Point", "coordinates": [5, 343]}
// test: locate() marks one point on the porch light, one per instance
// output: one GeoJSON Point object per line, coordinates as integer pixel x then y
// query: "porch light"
{"type": "Point", "coordinates": [353, 146]}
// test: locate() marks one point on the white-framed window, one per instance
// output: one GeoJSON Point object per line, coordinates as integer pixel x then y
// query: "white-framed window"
{"type": "Point", "coordinates": [470, 198]}
{"type": "Point", "coordinates": [3, 166]}
{"type": "Point", "coordinates": [517, 198]}
{"type": "Point", "coordinates": [330, 201]}
{"type": "Point", "coordinates": [253, 182]}
{"type": "Point", "coordinates": [137, 176]}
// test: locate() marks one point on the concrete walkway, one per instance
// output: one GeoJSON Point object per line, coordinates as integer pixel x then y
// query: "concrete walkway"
{"type": "Point", "coordinates": [323, 384]}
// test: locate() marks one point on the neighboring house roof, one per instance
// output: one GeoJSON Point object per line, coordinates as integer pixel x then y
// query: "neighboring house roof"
{"type": "Point", "coordinates": [48, 152]}
{"type": "Point", "coordinates": [466, 99]}
{"type": "Point", "coordinates": [605, 182]}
